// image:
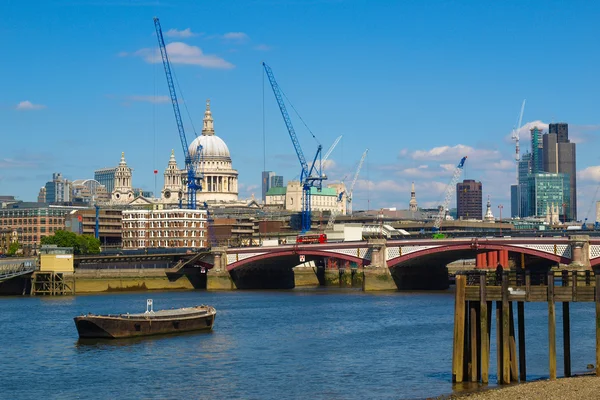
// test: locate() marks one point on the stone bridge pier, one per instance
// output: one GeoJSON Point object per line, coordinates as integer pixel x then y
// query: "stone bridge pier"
{"type": "Point", "coordinates": [580, 251]}
{"type": "Point", "coordinates": [218, 278]}
{"type": "Point", "coordinates": [377, 275]}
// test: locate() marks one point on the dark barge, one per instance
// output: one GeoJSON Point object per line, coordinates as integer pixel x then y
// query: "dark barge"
{"type": "Point", "coordinates": [117, 326]}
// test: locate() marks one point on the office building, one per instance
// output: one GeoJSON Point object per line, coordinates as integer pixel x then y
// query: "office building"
{"type": "Point", "coordinates": [469, 200]}
{"type": "Point", "coordinates": [266, 183]}
{"type": "Point", "coordinates": [276, 181]}
{"type": "Point", "coordinates": [106, 177]}
{"type": "Point", "coordinates": [560, 157]}
{"type": "Point", "coordinates": [58, 190]}
{"type": "Point", "coordinates": [544, 191]}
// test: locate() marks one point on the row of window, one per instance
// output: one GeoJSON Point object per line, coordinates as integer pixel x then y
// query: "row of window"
{"type": "Point", "coordinates": [32, 221]}
{"type": "Point", "coordinates": [135, 244]}
{"type": "Point", "coordinates": [170, 215]}
{"type": "Point", "coordinates": [163, 234]}
{"type": "Point", "coordinates": [164, 224]}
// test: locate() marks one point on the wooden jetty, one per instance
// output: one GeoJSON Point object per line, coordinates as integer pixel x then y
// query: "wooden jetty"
{"type": "Point", "coordinates": [475, 293]}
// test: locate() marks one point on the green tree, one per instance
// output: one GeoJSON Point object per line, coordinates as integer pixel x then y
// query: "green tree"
{"type": "Point", "coordinates": [81, 244]}
{"type": "Point", "coordinates": [13, 248]}
{"type": "Point", "coordinates": [88, 244]}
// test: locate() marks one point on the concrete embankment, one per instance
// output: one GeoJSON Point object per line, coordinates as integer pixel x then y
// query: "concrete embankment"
{"type": "Point", "coordinates": [111, 280]}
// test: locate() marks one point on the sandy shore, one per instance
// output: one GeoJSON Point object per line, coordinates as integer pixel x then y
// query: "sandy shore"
{"type": "Point", "coordinates": [583, 387]}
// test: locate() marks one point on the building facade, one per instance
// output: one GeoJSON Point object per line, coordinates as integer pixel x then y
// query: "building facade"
{"type": "Point", "coordinates": [174, 228]}
{"type": "Point", "coordinates": [58, 190]}
{"type": "Point", "coordinates": [543, 191]}
{"type": "Point", "coordinates": [106, 177]}
{"type": "Point", "coordinates": [290, 197]}
{"type": "Point", "coordinates": [83, 222]}
{"type": "Point", "coordinates": [560, 157]}
{"type": "Point", "coordinates": [9, 236]}
{"type": "Point", "coordinates": [469, 200]}
{"type": "Point", "coordinates": [33, 221]}
{"type": "Point", "coordinates": [266, 184]}
{"type": "Point", "coordinates": [88, 191]}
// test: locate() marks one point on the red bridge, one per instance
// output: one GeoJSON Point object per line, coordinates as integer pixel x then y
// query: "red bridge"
{"type": "Point", "coordinates": [408, 260]}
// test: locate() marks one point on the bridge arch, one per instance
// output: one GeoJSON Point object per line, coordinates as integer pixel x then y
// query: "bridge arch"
{"type": "Point", "coordinates": [475, 248]}
{"type": "Point", "coordinates": [294, 252]}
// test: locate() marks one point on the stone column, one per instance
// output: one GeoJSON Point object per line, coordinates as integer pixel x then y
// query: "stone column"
{"type": "Point", "coordinates": [218, 278]}
{"type": "Point", "coordinates": [580, 251]}
{"type": "Point", "coordinates": [377, 275]}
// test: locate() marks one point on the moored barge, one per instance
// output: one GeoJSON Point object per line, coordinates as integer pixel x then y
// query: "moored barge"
{"type": "Point", "coordinates": [117, 326]}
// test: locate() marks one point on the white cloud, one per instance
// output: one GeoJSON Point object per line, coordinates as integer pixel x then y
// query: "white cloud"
{"type": "Point", "coordinates": [182, 53]}
{"type": "Point", "coordinates": [27, 105]}
{"type": "Point", "coordinates": [236, 36]}
{"type": "Point", "coordinates": [150, 99]}
{"type": "Point", "coordinates": [524, 131]}
{"type": "Point", "coordinates": [186, 33]}
{"type": "Point", "coordinates": [589, 174]}
{"type": "Point", "coordinates": [452, 153]}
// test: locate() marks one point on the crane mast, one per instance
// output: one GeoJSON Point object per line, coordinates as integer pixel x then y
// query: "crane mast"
{"type": "Point", "coordinates": [351, 191]}
{"type": "Point", "coordinates": [309, 177]}
{"type": "Point", "coordinates": [449, 192]}
{"type": "Point", "coordinates": [193, 181]}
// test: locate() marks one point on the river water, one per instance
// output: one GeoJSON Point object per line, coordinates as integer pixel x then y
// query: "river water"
{"type": "Point", "coordinates": [297, 344]}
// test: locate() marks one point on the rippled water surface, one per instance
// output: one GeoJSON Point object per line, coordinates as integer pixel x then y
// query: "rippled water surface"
{"type": "Point", "coordinates": [265, 345]}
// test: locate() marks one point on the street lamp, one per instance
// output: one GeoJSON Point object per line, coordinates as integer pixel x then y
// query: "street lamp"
{"type": "Point", "coordinates": [500, 206]}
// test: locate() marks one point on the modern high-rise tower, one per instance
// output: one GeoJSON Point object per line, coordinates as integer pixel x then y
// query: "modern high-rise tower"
{"type": "Point", "coordinates": [469, 200]}
{"type": "Point", "coordinates": [560, 157]}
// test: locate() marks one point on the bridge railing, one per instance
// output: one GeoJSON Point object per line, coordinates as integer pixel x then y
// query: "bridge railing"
{"type": "Point", "coordinates": [8, 271]}
{"type": "Point", "coordinates": [561, 278]}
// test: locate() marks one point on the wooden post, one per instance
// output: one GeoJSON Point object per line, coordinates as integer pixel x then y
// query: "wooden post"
{"type": "Point", "coordinates": [473, 342]}
{"type": "Point", "coordinates": [566, 338]}
{"type": "Point", "coordinates": [467, 345]}
{"type": "Point", "coordinates": [459, 329]}
{"type": "Point", "coordinates": [574, 286]}
{"type": "Point", "coordinates": [505, 329]}
{"type": "Point", "coordinates": [499, 358]}
{"type": "Point", "coordinates": [514, 375]}
{"type": "Point", "coordinates": [527, 284]}
{"type": "Point", "coordinates": [485, 339]}
{"type": "Point", "coordinates": [551, 327]}
{"type": "Point", "coordinates": [522, 358]}
{"type": "Point", "coordinates": [597, 290]}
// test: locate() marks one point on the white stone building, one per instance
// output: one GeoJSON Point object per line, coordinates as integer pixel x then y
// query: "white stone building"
{"type": "Point", "coordinates": [290, 197]}
{"type": "Point", "coordinates": [172, 228]}
{"type": "Point", "coordinates": [123, 191]}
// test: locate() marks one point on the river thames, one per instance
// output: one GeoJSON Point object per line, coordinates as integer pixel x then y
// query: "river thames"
{"type": "Point", "coordinates": [320, 344]}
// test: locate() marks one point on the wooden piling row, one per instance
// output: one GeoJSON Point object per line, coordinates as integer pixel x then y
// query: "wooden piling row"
{"type": "Point", "coordinates": [473, 320]}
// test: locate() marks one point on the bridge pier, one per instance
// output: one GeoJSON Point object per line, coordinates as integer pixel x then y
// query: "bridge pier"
{"type": "Point", "coordinates": [305, 275]}
{"type": "Point", "coordinates": [580, 251]}
{"type": "Point", "coordinates": [218, 277]}
{"type": "Point", "coordinates": [377, 275]}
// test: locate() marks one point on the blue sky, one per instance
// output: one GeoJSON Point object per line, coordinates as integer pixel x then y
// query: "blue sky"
{"type": "Point", "coordinates": [418, 83]}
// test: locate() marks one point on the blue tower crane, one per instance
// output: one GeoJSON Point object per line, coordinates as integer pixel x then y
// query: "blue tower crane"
{"type": "Point", "coordinates": [193, 180]}
{"type": "Point", "coordinates": [309, 177]}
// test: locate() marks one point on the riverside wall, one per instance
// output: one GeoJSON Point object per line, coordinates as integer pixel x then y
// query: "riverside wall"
{"type": "Point", "coordinates": [125, 280]}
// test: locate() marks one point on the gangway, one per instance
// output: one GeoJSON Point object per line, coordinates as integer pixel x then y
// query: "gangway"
{"type": "Point", "coordinates": [9, 271]}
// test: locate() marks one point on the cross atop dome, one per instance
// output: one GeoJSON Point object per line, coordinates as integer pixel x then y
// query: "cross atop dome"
{"type": "Point", "coordinates": [122, 162]}
{"type": "Point", "coordinates": [208, 129]}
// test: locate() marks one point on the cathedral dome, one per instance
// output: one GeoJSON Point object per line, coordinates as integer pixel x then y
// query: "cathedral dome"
{"type": "Point", "coordinates": [212, 146]}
